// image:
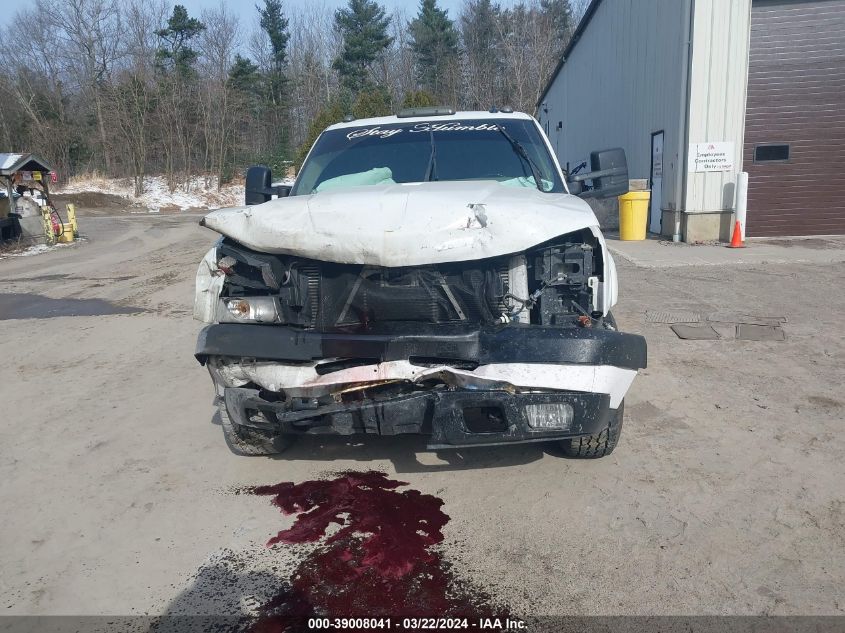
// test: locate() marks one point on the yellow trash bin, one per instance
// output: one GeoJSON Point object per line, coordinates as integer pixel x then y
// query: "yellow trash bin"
{"type": "Point", "coordinates": [633, 215]}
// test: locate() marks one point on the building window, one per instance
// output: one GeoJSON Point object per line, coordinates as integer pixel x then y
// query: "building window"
{"type": "Point", "coordinates": [769, 153]}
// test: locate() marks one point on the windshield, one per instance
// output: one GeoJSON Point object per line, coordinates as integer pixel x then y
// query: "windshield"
{"type": "Point", "coordinates": [510, 151]}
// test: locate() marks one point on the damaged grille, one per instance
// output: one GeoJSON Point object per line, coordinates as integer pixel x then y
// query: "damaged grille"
{"type": "Point", "coordinates": [326, 296]}
{"type": "Point", "coordinates": [362, 295]}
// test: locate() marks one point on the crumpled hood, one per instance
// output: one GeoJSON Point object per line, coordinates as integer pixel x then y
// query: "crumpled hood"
{"type": "Point", "coordinates": [410, 224]}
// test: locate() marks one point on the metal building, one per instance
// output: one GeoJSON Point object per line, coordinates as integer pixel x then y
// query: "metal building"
{"type": "Point", "coordinates": [697, 91]}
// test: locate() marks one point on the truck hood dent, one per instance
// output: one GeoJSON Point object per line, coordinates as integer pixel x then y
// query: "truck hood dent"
{"type": "Point", "coordinates": [412, 224]}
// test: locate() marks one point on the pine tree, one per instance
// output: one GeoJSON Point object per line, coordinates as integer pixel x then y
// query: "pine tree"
{"type": "Point", "coordinates": [480, 34]}
{"type": "Point", "coordinates": [418, 99]}
{"type": "Point", "coordinates": [560, 14]}
{"type": "Point", "coordinates": [176, 111]}
{"type": "Point", "coordinates": [372, 102]}
{"type": "Point", "coordinates": [363, 26]}
{"type": "Point", "coordinates": [274, 110]}
{"type": "Point", "coordinates": [275, 25]}
{"type": "Point", "coordinates": [244, 76]}
{"type": "Point", "coordinates": [177, 53]}
{"type": "Point", "coordinates": [434, 41]}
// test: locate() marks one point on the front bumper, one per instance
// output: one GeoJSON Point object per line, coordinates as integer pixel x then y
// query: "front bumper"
{"type": "Point", "coordinates": [513, 343]}
{"type": "Point", "coordinates": [485, 379]}
{"type": "Point", "coordinates": [451, 418]}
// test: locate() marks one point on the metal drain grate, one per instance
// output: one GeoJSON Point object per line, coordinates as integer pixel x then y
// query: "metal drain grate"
{"type": "Point", "coordinates": [738, 317]}
{"type": "Point", "coordinates": [679, 316]}
{"type": "Point", "coordinates": [748, 332]}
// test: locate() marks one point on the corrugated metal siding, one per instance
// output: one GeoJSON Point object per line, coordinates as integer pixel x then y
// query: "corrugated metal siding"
{"type": "Point", "coordinates": [718, 80]}
{"type": "Point", "coordinates": [621, 83]}
{"type": "Point", "coordinates": [796, 95]}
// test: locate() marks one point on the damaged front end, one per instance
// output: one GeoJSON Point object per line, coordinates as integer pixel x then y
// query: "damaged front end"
{"type": "Point", "coordinates": [508, 349]}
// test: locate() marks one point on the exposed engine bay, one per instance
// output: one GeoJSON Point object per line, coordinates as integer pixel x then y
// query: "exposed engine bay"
{"type": "Point", "coordinates": [554, 284]}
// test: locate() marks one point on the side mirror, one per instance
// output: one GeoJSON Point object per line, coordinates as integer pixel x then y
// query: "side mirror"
{"type": "Point", "coordinates": [609, 175]}
{"type": "Point", "coordinates": [259, 186]}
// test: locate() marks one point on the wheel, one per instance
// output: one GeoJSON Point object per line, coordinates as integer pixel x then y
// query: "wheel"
{"type": "Point", "coordinates": [246, 441]}
{"type": "Point", "coordinates": [599, 445]}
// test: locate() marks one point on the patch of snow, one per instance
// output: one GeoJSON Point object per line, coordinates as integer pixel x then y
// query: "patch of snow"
{"type": "Point", "coordinates": [199, 192]}
{"type": "Point", "coordinates": [38, 249]}
{"type": "Point", "coordinates": [32, 250]}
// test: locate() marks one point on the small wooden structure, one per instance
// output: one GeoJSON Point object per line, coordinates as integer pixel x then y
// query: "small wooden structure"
{"type": "Point", "coordinates": [22, 172]}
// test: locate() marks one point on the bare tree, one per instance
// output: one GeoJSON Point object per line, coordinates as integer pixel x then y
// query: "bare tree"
{"type": "Point", "coordinates": [396, 69]}
{"type": "Point", "coordinates": [313, 45]}
{"type": "Point", "coordinates": [38, 88]}
{"type": "Point", "coordinates": [482, 57]}
{"type": "Point", "coordinates": [217, 47]}
{"type": "Point", "coordinates": [132, 95]}
{"type": "Point", "coordinates": [130, 100]}
{"type": "Point", "coordinates": [87, 36]}
{"type": "Point", "coordinates": [141, 20]}
{"type": "Point", "coordinates": [532, 35]}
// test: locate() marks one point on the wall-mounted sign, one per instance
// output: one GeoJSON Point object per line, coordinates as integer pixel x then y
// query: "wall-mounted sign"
{"type": "Point", "coordinates": [711, 156]}
{"type": "Point", "coordinates": [656, 160]}
{"type": "Point", "coordinates": [54, 177]}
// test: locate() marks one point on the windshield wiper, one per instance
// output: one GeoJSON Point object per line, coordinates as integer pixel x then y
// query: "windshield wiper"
{"type": "Point", "coordinates": [517, 146]}
{"type": "Point", "coordinates": [431, 170]}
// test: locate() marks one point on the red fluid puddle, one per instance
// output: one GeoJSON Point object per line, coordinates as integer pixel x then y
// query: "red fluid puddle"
{"type": "Point", "coordinates": [378, 564]}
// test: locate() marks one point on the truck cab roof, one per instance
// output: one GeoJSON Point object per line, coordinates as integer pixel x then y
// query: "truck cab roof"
{"type": "Point", "coordinates": [458, 116]}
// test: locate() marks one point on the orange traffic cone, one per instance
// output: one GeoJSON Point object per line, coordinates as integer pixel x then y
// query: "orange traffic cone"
{"type": "Point", "coordinates": [736, 238]}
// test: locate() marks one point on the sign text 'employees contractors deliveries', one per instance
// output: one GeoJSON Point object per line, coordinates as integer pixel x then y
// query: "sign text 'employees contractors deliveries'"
{"type": "Point", "coordinates": [711, 156]}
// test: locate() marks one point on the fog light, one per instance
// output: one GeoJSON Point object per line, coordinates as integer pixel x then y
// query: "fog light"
{"type": "Point", "coordinates": [554, 416]}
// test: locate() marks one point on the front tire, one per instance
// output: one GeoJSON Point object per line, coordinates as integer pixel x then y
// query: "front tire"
{"type": "Point", "coordinates": [249, 442]}
{"type": "Point", "coordinates": [599, 445]}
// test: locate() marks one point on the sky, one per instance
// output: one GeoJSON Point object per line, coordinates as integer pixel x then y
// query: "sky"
{"type": "Point", "coordinates": [245, 8]}
{"type": "Point", "coordinates": [242, 7]}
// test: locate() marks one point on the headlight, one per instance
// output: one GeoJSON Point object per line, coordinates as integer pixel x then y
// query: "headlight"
{"type": "Point", "coordinates": [249, 310]}
{"type": "Point", "coordinates": [565, 282]}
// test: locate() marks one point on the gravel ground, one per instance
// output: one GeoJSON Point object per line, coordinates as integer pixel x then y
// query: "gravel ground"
{"type": "Point", "coordinates": [724, 496]}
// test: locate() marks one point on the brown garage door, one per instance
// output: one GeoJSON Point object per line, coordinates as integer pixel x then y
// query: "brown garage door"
{"type": "Point", "coordinates": [795, 121]}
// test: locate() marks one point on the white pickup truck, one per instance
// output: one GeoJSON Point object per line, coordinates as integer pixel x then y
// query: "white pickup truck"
{"type": "Point", "coordinates": [429, 273]}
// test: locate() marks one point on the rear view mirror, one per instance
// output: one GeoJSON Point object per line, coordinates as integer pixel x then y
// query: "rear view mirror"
{"type": "Point", "coordinates": [259, 186]}
{"type": "Point", "coordinates": [609, 174]}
